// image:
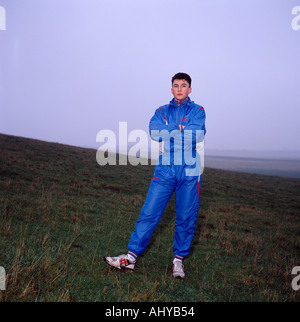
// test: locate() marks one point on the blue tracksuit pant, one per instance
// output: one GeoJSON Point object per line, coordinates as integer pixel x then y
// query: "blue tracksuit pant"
{"type": "Point", "coordinates": [167, 180]}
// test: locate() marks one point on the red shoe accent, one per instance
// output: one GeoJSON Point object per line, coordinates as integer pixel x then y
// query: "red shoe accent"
{"type": "Point", "coordinates": [123, 262]}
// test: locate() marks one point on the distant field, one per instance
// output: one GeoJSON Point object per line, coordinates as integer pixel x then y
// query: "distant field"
{"type": "Point", "coordinates": [273, 167]}
{"type": "Point", "coordinates": [60, 213]}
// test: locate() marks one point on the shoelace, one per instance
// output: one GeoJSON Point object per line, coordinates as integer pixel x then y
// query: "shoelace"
{"type": "Point", "coordinates": [178, 265]}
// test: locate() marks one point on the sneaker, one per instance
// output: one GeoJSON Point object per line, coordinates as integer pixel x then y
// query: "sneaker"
{"type": "Point", "coordinates": [121, 262]}
{"type": "Point", "coordinates": [178, 269]}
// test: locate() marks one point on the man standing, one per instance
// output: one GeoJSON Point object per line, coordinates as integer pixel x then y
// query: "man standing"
{"type": "Point", "coordinates": [180, 127]}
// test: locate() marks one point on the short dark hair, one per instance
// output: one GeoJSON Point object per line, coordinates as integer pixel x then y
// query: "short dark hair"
{"type": "Point", "coordinates": [182, 76]}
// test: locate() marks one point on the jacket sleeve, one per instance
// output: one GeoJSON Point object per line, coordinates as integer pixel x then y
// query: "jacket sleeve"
{"type": "Point", "coordinates": [194, 132]}
{"type": "Point", "coordinates": [197, 125]}
{"type": "Point", "coordinates": [159, 128]}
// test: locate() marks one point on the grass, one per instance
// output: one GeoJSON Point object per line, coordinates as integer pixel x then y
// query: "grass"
{"type": "Point", "coordinates": [60, 213]}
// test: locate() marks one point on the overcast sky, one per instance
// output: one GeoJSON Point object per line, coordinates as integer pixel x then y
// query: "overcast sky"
{"type": "Point", "coordinates": [70, 68]}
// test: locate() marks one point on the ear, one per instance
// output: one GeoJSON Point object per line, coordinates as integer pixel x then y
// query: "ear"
{"type": "Point", "coordinates": [172, 90]}
{"type": "Point", "coordinates": [190, 90]}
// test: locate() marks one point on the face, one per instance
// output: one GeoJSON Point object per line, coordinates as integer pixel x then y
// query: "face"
{"type": "Point", "coordinates": [180, 89]}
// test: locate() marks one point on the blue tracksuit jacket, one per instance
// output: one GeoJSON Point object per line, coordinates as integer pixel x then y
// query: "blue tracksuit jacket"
{"type": "Point", "coordinates": [180, 125]}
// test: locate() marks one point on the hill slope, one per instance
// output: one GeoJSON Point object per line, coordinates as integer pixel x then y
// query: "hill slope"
{"type": "Point", "coordinates": [60, 213]}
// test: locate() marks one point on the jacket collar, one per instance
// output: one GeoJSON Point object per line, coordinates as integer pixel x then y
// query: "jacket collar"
{"type": "Point", "coordinates": [186, 101]}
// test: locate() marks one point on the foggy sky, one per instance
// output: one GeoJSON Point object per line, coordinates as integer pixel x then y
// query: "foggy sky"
{"type": "Point", "coordinates": [70, 68]}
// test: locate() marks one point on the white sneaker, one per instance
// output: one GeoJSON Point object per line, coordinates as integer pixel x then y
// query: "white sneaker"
{"type": "Point", "coordinates": [121, 262]}
{"type": "Point", "coordinates": [178, 269]}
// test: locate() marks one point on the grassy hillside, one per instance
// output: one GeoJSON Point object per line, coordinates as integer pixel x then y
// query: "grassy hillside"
{"type": "Point", "coordinates": [60, 213]}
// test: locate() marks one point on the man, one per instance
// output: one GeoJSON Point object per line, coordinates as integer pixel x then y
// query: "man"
{"type": "Point", "coordinates": [180, 126]}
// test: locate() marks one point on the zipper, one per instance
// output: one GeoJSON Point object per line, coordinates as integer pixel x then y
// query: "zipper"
{"type": "Point", "coordinates": [178, 113]}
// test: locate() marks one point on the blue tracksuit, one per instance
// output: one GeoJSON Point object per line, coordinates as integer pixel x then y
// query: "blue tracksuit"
{"type": "Point", "coordinates": [180, 125]}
